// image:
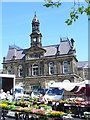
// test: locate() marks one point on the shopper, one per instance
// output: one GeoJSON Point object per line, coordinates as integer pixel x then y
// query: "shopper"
{"type": "Point", "coordinates": [9, 97]}
{"type": "Point", "coordinates": [2, 95]}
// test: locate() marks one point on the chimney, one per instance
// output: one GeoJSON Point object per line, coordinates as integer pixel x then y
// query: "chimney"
{"type": "Point", "coordinates": [72, 42]}
{"type": "Point", "coordinates": [58, 52]}
{"type": "Point", "coordinates": [4, 59]}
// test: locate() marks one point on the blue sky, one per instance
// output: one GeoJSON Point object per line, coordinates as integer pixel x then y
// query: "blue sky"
{"type": "Point", "coordinates": [16, 26]}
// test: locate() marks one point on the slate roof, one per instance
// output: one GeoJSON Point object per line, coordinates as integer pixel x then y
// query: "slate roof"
{"type": "Point", "coordinates": [83, 64]}
{"type": "Point", "coordinates": [63, 48]}
{"type": "Point", "coordinates": [51, 50]}
{"type": "Point", "coordinates": [14, 51]}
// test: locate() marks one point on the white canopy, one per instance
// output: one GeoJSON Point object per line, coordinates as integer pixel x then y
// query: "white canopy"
{"type": "Point", "coordinates": [68, 86]}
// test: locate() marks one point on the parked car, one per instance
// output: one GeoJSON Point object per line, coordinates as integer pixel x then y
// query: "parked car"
{"type": "Point", "coordinates": [19, 93]}
{"type": "Point", "coordinates": [37, 92]}
{"type": "Point", "coordinates": [53, 93]}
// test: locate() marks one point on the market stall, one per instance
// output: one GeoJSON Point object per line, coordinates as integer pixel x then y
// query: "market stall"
{"type": "Point", "coordinates": [36, 109]}
{"type": "Point", "coordinates": [30, 110]}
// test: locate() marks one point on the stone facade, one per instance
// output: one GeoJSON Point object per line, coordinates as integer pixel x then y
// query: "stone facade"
{"type": "Point", "coordinates": [38, 65]}
{"type": "Point", "coordinates": [83, 68]}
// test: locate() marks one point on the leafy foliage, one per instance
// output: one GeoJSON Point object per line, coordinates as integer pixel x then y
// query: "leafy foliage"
{"type": "Point", "coordinates": [50, 3]}
{"type": "Point", "coordinates": [74, 14]}
{"type": "Point", "coordinates": [75, 11]}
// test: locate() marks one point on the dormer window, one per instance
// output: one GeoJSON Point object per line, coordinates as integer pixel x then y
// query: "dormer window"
{"type": "Point", "coordinates": [34, 56]}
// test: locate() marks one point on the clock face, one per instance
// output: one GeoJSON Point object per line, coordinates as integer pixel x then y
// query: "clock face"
{"type": "Point", "coordinates": [34, 39]}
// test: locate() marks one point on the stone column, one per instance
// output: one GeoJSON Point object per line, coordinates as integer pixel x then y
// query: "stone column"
{"type": "Point", "coordinates": [12, 68]}
{"type": "Point", "coordinates": [4, 70]}
{"type": "Point", "coordinates": [46, 71]}
{"type": "Point", "coordinates": [61, 67]}
{"type": "Point", "coordinates": [15, 69]}
{"type": "Point", "coordinates": [39, 69]}
{"type": "Point", "coordinates": [24, 70]}
{"type": "Point", "coordinates": [72, 67]}
{"type": "Point", "coordinates": [58, 67]}
{"type": "Point", "coordinates": [55, 67]}
{"type": "Point", "coordinates": [42, 68]}
{"type": "Point", "coordinates": [29, 70]}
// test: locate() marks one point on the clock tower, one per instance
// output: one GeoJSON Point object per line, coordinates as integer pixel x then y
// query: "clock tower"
{"type": "Point", "coordinates": [35, 35]}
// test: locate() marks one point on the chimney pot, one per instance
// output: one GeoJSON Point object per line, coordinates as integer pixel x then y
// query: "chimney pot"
{"type": "Point", "coordinates": [72, 42]}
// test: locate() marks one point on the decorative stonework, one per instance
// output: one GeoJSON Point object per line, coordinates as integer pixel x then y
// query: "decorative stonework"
{"type": "Point", "coordinates": [41, 56]}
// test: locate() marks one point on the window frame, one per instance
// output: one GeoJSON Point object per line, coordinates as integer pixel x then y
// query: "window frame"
{"type": "Point", "coordinates": [20, 71]}
{"type": "Point", "coordinates": [51, 68]}
{"type": "Point", "coordinates": [35, 70]}
{"type": "Point", "coordinates": [65, 67]}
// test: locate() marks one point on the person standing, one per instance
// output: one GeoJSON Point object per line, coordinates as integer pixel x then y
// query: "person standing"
{"type": "Point", "coordinates": [9, 97]}
{"type": "Point", "coordinates": [2, 95]}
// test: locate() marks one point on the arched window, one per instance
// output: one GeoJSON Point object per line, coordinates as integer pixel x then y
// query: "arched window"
{"type": "Point", "coordinates": [9, 70]}
{"type": "Point", "coordinates": [51, 68]}
{"type": "Point", "coordinates": [35, 70]}
{"type": "Point", "coordinates": [20, 71]}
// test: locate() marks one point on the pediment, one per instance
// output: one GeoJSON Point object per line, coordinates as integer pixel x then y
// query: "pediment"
{"type": "Point", "coordinates": [35, 49]}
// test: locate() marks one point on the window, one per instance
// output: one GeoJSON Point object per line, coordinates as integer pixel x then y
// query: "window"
{"type": "Point", "coordinates": [20, 71]}
{"type": "Point", "coordinates": [51, 68]}
{"type": "Point", "coordinates": [9, 70]}
{"type": "Point", "coordinates": [30, 56]}
{"type": "Point", "coordinates": [65, 67]}
{"type": "Point", "coordinates": [18, 90]}
{"type": "Point", "coordinates": [84, 73]}
{"type": "Point", "coordinates": [35, 70]}
{"type": "Point", "coordinates": [34, 55]}
{"type": "Point", "coordinates": [34, 39]}
{"type": "Point", "coordinates": [35, 27]}
{"type": "Point", "coordinates": [54, 91]}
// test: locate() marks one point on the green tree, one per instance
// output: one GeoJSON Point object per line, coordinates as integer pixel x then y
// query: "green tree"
{"type": "Point", "coordinates": [76, 9]}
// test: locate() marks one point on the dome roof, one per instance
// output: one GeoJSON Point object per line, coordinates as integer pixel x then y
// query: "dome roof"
{"type": "Point", "coordinates": [35, 19]}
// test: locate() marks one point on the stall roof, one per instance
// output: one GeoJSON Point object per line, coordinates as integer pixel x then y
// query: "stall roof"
{"type": "Point", "coordinates": [68, 86]}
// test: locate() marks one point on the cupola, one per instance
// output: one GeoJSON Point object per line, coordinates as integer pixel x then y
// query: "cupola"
{"type": "Point", "coordinates": [35, 35]}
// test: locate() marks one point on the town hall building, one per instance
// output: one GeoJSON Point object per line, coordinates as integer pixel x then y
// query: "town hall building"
{"type": "Point", "coordinates": [37, 65]}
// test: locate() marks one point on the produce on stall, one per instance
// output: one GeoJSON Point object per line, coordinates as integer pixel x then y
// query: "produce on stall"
{"type": "Point", "coordinates": [37, 108]}
{"type": "Point", "coordinates": [33, 108]}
